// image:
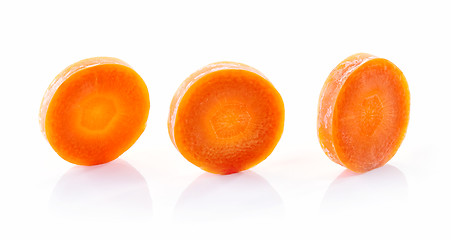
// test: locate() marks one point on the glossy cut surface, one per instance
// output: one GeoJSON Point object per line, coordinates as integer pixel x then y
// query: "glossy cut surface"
{"type": "Point", "coordinates": [226, 117]}
{"type": "Point", "coordinates": [94, 110]}
{"type": "Point", "coordinates": [363, 112]}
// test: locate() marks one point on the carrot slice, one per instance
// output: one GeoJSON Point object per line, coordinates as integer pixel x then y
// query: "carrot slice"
{"type": "Point", "coordinates": [94, 110]}
{"type": "Point", "coordinates": [363, 112]}
{"type": "Point", "coordinates": [226, 117]}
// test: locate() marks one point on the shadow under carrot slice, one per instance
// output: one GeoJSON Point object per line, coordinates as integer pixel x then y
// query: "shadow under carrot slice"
{"type": "Point", "coordinates": [94, 110]}
{"type": "Point", "coordinates": [226, 117]}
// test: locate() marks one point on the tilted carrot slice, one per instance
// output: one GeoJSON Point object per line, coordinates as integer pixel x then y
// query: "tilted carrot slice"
{"type": "Point", "coordinates": [94, 110]}
{"type": "Point", "coordinates": [226, 117]}
{"type": "Point", "coordinates": [363, 112]}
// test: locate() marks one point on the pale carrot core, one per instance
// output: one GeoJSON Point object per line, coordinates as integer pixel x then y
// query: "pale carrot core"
{"type": "Point", "coordinates": [371, 114]}
{"type": "Point", "coordinates": [97, 113]}
{"type": "Point", "coordinates": [230, 120]}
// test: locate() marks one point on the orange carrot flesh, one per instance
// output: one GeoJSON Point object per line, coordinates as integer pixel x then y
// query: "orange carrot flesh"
{"type": "Point", "coordinates": [363, 112]}
{"type": "Point", "coordinates": [226, 117]}
{"type": "Point", "coordinates": [94, 110]}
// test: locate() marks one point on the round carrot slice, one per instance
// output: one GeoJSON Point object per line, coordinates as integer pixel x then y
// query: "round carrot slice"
{"type": "Point", "coordinates": [363, 112]}
{"type": "Point", "coordinates": [225, 118]}
{"type": "Point", "coordinates": [94, 110]}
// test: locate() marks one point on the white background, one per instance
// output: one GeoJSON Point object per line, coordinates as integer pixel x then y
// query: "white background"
{"type": "Point", "coordinates": [152, 192]}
